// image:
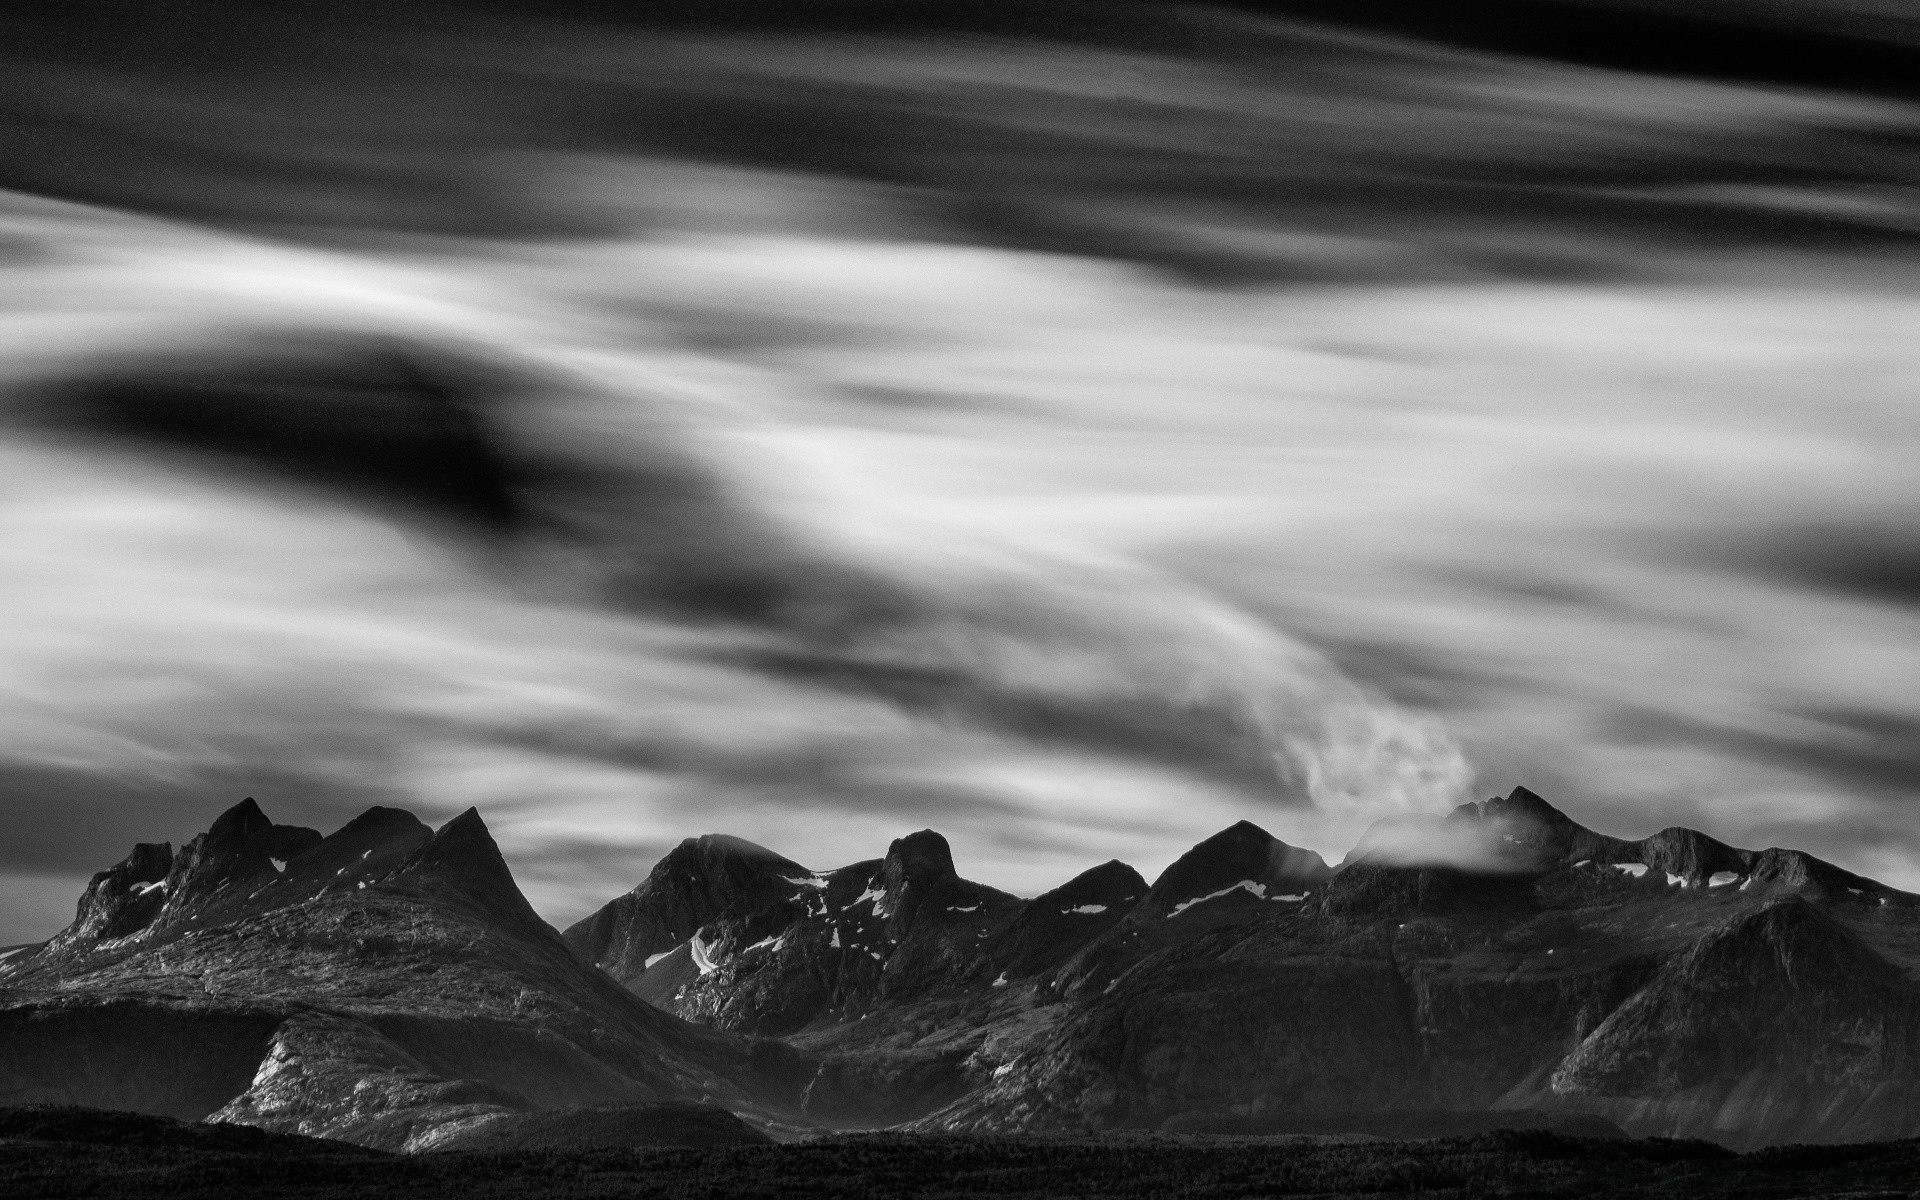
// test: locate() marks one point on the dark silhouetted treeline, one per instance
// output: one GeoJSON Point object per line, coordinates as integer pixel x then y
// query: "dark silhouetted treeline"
{"type": "Point", "coordinates": [72, 1153]}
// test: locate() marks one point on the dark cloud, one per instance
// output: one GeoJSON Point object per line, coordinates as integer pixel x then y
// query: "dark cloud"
{"type": "Point", "coordinates": [1868, 754]}
{"type": "Point", "coordinates": [836, 414]}
{"type": "Point", "coordinates": [1428, 676]}
{"type": "Point", "coordinates": [359, 413]}
{"type": "Point", "coordinates": [1175, 137]}
{"type": "Point", "coordinates": [85, 819]}
{"type": "Point", "coordinates": [449, 431]}
{"type": "Point", "coordinates": [1874, 558]}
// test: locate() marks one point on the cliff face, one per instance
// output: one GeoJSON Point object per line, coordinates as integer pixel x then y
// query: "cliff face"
{"type": "Point", "coordinates": [387, 985]}
{"type": "Point", "coordinates": [156, 888]}
{"type": "Point", "coordinates": [1778, 1025]}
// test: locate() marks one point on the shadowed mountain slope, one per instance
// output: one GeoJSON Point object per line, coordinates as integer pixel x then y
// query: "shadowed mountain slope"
{"type": "Point", "coordinates": [387, 985]}
{"type": "Point", "coordinates": [1502, 959]}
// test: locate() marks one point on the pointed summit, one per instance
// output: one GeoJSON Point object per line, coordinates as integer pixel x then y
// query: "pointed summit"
{"type": "Point", "coordinates": [376, 834]}
{"type": "Point", "coordinates": [1241, 857]}
{"type": "Point", "coordinates": [156, 888]}
{"type": "Point", "coordinates": [242, 843]}
{"type": "Point", "coordinates": [1521, 808]}
{"type": "Point", "coordinates": [1056, 924]}
{"type": "Point", "coordinates": [463, 853]}
{"type": "Point", "coordinates": [465, 834]}
{"type": "Point", "coordinates": [1519, 832]}
{"type": "Point", "coordinates": [463, 846]}
{"type": "Point", "coordinates": [244, 832]}
{"type": "Point", "coordinates": [695, 882]}
{"type": "Point", "coordinates": [235, 825]}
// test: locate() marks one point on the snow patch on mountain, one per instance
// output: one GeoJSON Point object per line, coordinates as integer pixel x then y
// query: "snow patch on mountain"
{"type": "Point", "coordinates": [1253, 886]}
{"type": "Point", "coordinates": [1634, 869]}
{"type": "Point", "coordinates": [701, 960]}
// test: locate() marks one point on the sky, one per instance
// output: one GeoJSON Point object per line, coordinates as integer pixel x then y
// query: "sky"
{"type": "Point", "coordinates": [1070, 444]}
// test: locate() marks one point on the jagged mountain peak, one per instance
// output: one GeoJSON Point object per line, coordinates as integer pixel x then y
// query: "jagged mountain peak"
{"type": "Point", "coordinates": [380, 823]}
{"type": "Point", "coordinates": [246, 864]}
{"type": "Point", "coordinates": [242, 840]}
{"type": "Point", "coordinates": [462, 852]}
{"type": "Point", "coordinates": [123, 898]}
{"type": "Point", "coordinates": [718, 859]}
{"type": "Point", "coordinates": [1055, 925]}
{"type": "Point", "coordinates": [692, 884]}
{"type": "Point", "coordinates": [1628, 981]}
{"type": "Point", "coordinates": [1112, 881]}
{"type": "Point", "coordinates": [1523, 802]}
{"type": "Point", "coordinates": [462, 844]}
{"type": "Point", "coordinates": [393, 977]}
{"type": "Point", "coordinates": [365, 849]}
{"type": "Point", "coordinates": [921, 857]}
{"type": "Point", "coordinates": [156, 887]}
{"type": "Point", "coordinates": [1240, 858]}
{"type": "Point", "coordinates": [1521, 830]}
{"type": "Point", "coordinates": [237, 823]}
{"type": "Point", "coordinates": [725, 845]}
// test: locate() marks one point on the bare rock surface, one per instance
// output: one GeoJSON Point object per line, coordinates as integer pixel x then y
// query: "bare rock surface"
{"type": "Point", "coordinates": [1671, 985]}
{"type": "Point", "coordinates": [389, 986]}
{"type": "Point", "coordinates": [386, 985]}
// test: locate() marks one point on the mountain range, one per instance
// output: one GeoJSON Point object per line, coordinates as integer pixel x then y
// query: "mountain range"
{"type": "Point", "coordinates": [388, 985]}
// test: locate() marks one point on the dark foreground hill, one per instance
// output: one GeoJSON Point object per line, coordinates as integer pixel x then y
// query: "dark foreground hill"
{"type": "Point", "coordinates": [64, 1154]}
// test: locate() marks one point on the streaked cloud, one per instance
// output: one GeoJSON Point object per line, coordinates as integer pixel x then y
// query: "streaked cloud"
{"type": "Point", "coordinates": [1308, 448]}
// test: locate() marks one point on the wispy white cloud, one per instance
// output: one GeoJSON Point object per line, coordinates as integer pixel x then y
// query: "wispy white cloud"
{"type": "Point", "coordinates": [829, 516]}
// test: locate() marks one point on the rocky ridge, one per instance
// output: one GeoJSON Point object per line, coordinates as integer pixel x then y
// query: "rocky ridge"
{"type": "Point", "coordinates": [388, 985]}
{"type": "Point", "coordinates": [1672, 984]}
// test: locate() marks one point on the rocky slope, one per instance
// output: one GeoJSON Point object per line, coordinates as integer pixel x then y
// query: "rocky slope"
{"type": "Point", "coordinates": [386, 985]}
{"type": "Point", "coordinates": [1674, 984]}
{"type": "Point", "coordinates": [389, 986]}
